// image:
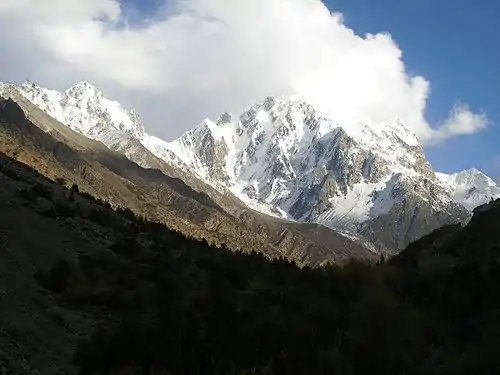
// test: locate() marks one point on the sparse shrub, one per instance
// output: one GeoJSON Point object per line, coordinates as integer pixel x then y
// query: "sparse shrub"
{"type": "Point", "coordinates": [41, 190]}
{"type": "Point", "coordinates": [126, 213]}
{"type": "Point", "coordinates": [126, 246]}
{"type": "Point", "coordinates": [102, 217]}
{"type": "Point", "coordinates": [57, 278]}
{"type": "Point", "coordinates": [26, 193]}
{"type": "Point", "coordinates": [34, 192]}
{"type": "Point", "coordinates": [60, 181]}
{"type": "Point", "coordinates": [63, 210]}
{"type": "Point", "coordinates": [49, 212]}
{"type": "Point", "coordinates": [72, 191]}
{"type": "Point", "coordinates": [88, 197]}
{"type": "Point", "coordinates": [75, 189]}
{"type": "Point", "coordinates": [11, 173]}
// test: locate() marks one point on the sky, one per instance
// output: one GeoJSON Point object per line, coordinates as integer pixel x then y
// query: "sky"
{"type": "Point", "coordinates": [456, 45]}
{"type": "Point", "coordinates": [433, 64]}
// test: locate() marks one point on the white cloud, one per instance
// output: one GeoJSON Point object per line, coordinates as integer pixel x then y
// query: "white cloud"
{"type": "Point", "coordinates": [461, 121]}
{"type": "Point", "coordinates": [208, 56]}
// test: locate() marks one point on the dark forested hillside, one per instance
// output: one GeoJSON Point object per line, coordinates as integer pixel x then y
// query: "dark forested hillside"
{"type": "Point", "coordinates": [181, 306]}
{"type": "Point", "coordinates": [167, 304]}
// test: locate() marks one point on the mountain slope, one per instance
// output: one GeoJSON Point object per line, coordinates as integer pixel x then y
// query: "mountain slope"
{"type": "Point", "coordinates": [282, 158]}
{"type": "Point", "coordinates": [59, 152]}
{"type": "Point", "coordinates": [84, 110]}
{"type": "Point", "coordinates": [37, 336]}
{"type": "Point", "coordinates": [92, 290]}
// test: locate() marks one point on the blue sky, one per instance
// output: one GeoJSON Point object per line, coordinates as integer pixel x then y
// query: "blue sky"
{"type": "Point", "coordinates": [455, 44]}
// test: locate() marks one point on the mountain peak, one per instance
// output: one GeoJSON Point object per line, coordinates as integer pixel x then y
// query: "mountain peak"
{"type": "Point", "coordinates": [85, 89]}
{"type": "Point", "coordinates": [84, 109]}
{"type": "Point", "coordinates": [472, 171]}
{"type": "Point", "coordinates": [84, 84]}
{"type": "Point", "coordinates": [28, 84]}
{"type": "Point", "coordinates": [224, 118]}
{"type": "Point", "coordinates": [282, 157]}
{"type": "Point", "coordinates": [471, 187]}
{"type": "Point", "coordinates": [473, 174]}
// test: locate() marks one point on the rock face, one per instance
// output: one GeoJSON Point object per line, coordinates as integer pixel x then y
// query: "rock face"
{"type": "Point", "coordinates": [283, 158]}
{"type": "Point", "coordinates": [29, 135]}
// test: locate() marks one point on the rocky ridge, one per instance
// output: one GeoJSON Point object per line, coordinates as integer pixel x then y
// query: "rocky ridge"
{"type": "Point", "coordinates": [373, 182]}
{"type": "Point", "coordinates": [31, 136]}
{"type": "Point", "coordinates": [282, 158]}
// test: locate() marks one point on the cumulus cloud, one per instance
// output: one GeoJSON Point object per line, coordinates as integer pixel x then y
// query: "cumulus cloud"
{"type": "Point", "coordinates": [198, 58]}
{"type": "Point", "coordinates": [461, 121]}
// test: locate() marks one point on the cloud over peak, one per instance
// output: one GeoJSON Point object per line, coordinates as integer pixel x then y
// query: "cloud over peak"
{"type": "Point", "coordinates": [204, 57]}
{"type": "Point", "coordinates": [461, 121]}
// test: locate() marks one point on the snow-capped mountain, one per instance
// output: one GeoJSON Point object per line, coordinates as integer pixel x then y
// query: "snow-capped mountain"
{"type": "Point", "coordinates": [283, 158]}
{"type": "Point", "coordinates": [470, 188]}
{"type": "Point", "coordinates": [84, 109]}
